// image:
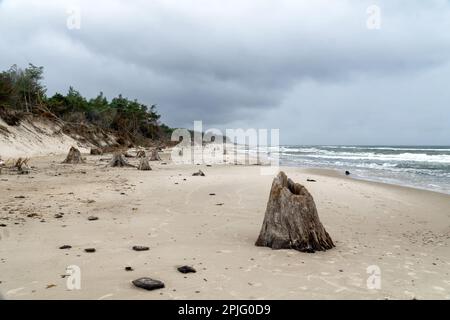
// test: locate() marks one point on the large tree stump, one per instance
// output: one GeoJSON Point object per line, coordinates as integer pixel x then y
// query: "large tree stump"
{"type": "Point", "coordinates": [74, 156]}
{"type": "Point", "coordinates": [154, 155]}
{"type": "Point", "coordinates": [291, 220]}
{"type": "Point", "coordinates": [143, 164]}
{"type": "Point", "coordinates": [119, 161]}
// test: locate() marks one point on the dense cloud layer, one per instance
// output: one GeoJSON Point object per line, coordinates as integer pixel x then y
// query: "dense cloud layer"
{"type": "Point", "coordinates": [311, 68]}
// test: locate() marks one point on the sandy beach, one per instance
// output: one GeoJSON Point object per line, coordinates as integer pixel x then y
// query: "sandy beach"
{"type": "Point", "coordinates": [211, 223]}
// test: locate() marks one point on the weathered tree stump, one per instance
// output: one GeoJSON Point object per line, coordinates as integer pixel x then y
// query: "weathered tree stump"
{"type": "Point", "coordinates": [96, 151]}
{"type": "Point", "coordinates": [74, 156]}
{"type": "Point", "coordinates": [118, 161]}
{"type": "Point", "coordinates": [291, 220]}
{"type": "Point", "coordinates": [154, 155]}
{"type": "Point", "coordinates": [143, 164]}
{"type": "Point", "coordinates": [141, 154]}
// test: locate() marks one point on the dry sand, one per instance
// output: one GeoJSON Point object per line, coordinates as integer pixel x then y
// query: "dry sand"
{"type": "Point", "coordinates": [405, 232]}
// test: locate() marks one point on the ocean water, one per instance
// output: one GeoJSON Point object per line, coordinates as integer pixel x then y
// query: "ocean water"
{"type": "Point", "coordinates": [423, 167]}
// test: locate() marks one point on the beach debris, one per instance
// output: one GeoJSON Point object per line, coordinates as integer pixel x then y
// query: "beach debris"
{"type": "Point", "coordinates": [90, 250]}
{"type": "Point", "coordinates": [118, 161]}
{"type": "Point", "coordinates": [310, 180]}
{"type": "Point", "coordinates": [154, 155]}
{"type": "Point", "coordinates": [291, 220]}
{"type": "Point", "coordinates": [19, 197]}
{"type": "Point", "coordinates": [96, 152]}
{"type": "Point", "coordinates": [200, 173]}
{"type": "Point", "coordinates": [92, 218]}
{"type": "Point", "coordinates": [148, 283]}
{"type": "Point", "coordinates": [74, 156]}
{"type": "Point", "coordinates": [50, 286]}
{"type": "Point", "coordinates": [220, 204]}
{"type": "Point", "coordinates": [141, 154]}
{"type": "Point", "coordinates": [58, 216]}
{"type": "Point", "coordinates": [140, 248]}
{"type": "Point", "coordinates": [64, 247]}
{"type": "Point", "coordinates": [129, 269]}
{"type": "Point", "coordinates": [212, 194]}
{"type": "Point", "coordinates": [22, 166]}
{"type": "Point", "coordinates": [347, 173]}
{"type": "Point", "coordinates": [186, 269]}
{"type": "Point", "coordinates": [143, 164]}
{"type": "Point", "coordinates": [3, 225]}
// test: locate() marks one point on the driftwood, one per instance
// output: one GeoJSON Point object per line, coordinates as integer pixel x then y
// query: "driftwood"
{"type": "Point", "coordinates": [143, 164]}
{"type": "Point", "coordinates": [199, 173]}
{"type": "Point", "coordinates": [291, 220]}
{"type": "Point", "coordinates": [74, 156]}
{"type": "Point", "coordinates": [119, 161]}
{"type": "Point", "coordinates": [22, 166]}
{"type": "Point", "coordinates": [154, 155]}
{"type": "Point", "coordinates": [19, 166]}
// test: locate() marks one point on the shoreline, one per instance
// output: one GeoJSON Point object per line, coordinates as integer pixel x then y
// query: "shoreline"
{"type": "Point", "coordinates": [337, 173]}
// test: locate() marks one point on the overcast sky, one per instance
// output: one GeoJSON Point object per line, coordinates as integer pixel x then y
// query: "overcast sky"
{"type": "Point", "coordinates": [313, 69]}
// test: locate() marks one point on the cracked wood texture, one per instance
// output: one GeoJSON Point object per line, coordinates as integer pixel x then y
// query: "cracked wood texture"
{"type": "Point", "coordinates": [291, 220]}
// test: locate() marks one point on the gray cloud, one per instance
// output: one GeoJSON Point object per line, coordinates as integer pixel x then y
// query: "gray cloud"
{"type": "Point", "coordinates": [251, 63]}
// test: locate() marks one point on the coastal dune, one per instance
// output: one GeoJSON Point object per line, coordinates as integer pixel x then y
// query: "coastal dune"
{"type": "Point", "coordinates": [391, 242]}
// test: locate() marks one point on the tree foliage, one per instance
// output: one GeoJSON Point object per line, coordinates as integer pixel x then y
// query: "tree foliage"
{"type": "Point", "coordinates": [22, 90]}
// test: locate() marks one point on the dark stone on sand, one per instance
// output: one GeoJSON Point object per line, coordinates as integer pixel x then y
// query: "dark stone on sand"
{"type": "Point", "coordinates": [310, 180]}
{"type": "Point", "coordinates": [89, 250]}
{"type": "Point", "coordinates": [2, 225]}
{"type": "Point", "coordinates": [186, 269]}
{"type": "Point", "coordinates": [212, 194]}
{"type": "Point", "coordinates": [129, 269]}
{"type": "Point", "coordinates": [58, 216]}
{"type": "Point", "coordinates": [200, 173]}
{"type": "Point", "coordinates": [140, 248]}
{"type": "Point", "coordinates": [347, 173]}
{"type": "Point", "coordinates": [20, 197]}
{"type": "Point", "coordinates": [148, 283]}
{"type": "Point", "coordinates": [92, 218]}
{"type": "Point", "coordinates": [65, 247]}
